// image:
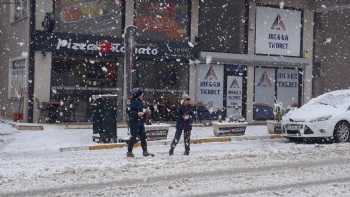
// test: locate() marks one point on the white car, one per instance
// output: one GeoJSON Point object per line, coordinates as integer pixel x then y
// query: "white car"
{"type": "Point", "coordinates": [326, 116]}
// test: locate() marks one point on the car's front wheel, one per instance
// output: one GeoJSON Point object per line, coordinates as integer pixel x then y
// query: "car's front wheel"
{"type": "Point", "coordinates": [341, 132]}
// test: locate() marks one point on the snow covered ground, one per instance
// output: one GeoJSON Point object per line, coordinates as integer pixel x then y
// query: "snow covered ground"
{"type": "Point", "coordinates": [31, 165]}
{"type": "Point", "coordinates": [55, 136]}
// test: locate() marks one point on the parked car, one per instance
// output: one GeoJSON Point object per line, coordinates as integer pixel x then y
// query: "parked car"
{"type": "Point", "coordinates": [262, 112]}
{"type": "Point", "coordinates": [326, 116]}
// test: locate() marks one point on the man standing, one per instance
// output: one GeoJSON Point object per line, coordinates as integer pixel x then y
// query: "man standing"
{"type": "Point", "coordinates": [137, 123]}
{"type": "Point", "coordinates": [184, 118]}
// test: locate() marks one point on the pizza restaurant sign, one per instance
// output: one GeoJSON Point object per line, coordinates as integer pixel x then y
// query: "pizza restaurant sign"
{"type": "Point", "coordinates": [69, 44]}
{"type": "Point", "coordinates": [278, 31]}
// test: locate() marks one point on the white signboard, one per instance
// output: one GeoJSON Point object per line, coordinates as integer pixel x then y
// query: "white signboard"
{"type": "Point", "coordinates": [287, 86]}
{"type": "Point", "coordinates": [278, 31]}
{"type": "Point", "coordinates": [234, 96]}
{"type": "Point", "coordinates": [210, 86]}
{"type": "Point", "coordinates": [264, 86]}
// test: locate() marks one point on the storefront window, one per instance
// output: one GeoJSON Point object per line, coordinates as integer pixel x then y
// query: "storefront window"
{"type": "Point", "coordinates": [17, 85]}
{"type": "Point", "coordinates": [74, 81]}
{"type": "Point", "coordinates": [235, 91]}
{"type": "Point", "coordinates": [20, 9]}
{"type": "Point", "coordinates": [275, 85]}
{"type": "Point", "coordinates": [221, 91]}
{"type": "Point", "coordinates": [103, 18]}
{"type": "Point", "coordinates": [163, 19]}
{"type": "Point", "coordinates": [164, 84]}
{"type": "Point", "coordinates": [84, 74]}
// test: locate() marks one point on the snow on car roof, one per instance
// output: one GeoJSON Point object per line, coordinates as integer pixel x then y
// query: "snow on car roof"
{"type": "Point", "coordinates": [338, 97]}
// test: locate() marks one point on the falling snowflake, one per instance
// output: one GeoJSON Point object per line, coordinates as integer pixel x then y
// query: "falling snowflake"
{"type": "Point", "coordinates": [104, 69]}
{"type": "Point", "coordinates": [327, 41]}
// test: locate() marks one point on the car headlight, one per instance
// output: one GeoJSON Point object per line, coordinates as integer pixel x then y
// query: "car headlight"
{"type": "Point", "coordinates": [323, 118]}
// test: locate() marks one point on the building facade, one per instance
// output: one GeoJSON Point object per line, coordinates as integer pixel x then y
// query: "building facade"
{"type": "Point", "coordinates": [331, 60]}
{"type": "Point", "coordinates": [249, 54]}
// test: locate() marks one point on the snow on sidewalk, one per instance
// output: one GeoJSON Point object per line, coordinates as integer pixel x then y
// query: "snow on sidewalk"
{"type": "Point", "coordinates": [54, 137]}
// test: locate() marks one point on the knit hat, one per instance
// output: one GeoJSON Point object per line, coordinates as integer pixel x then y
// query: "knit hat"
{"type": "Point", "coordinates": [136, 92]}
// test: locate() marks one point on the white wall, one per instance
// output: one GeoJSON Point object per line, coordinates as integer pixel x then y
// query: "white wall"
{"type": "Point", "coordinates": [42, 78]}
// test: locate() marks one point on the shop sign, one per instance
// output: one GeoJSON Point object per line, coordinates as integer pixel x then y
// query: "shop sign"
{"type": "Point", "coordinates": [89, 16]}
{"type": "Point", "coordinates": [288, 86]}
{"type": "Point", "coordinates": [157, 131]}
{"type": "Point", "coordinates": [158, 134]}
{"type": "Point", "coordinates": [89, 45]}
{"type": "Point", "coordinates": [230, 131]}
{"type": "Point", "coordinates": [163, 20]}
{"type": "Point", "coordinates": [210, 86]}
{"type": "Point", "coordinates": [234, 96]}
{"type": "Point", "coordinates": [229, 128]}
{"type": "Point", "coordinates": [278, 31]}
{"type": "Point", "coordinates": [116, 47]}
{"type": "Point", "coordinates": [265, 86]}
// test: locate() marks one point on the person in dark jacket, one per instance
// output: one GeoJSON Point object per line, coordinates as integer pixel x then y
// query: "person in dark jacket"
{"type": "Point", "coordinates": [137, 123]}
{"type": "Point", "coordinates": [184, 118]}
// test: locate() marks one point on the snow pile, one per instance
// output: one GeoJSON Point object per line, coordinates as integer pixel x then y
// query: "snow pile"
{"type": "Point", "coordinates": [6, 128]}
{"type": "Point", "coordinates": [6, 131]}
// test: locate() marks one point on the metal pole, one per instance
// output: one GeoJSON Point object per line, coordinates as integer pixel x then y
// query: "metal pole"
{"type": "Point", "coordinates": [129, 63]}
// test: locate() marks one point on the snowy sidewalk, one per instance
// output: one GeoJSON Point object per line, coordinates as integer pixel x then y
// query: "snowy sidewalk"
{"type": "Point", "coordinates": [56, 137]}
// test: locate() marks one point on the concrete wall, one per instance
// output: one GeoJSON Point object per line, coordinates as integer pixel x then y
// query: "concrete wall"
{"type": "Point", "coordinates": [14, 44]}
{"type": "Point", "coordinates": [220, 26]}
{"type": "Point", "coordinates": [332, 45]}
{"type": "Point", "coordinates": [42, 79]}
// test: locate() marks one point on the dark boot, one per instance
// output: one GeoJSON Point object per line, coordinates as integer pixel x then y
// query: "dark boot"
{"type": "Point", "coordinates": [131, 143]}
{"type": "Point", "coordinates": [144, 149]}
{"type": "Point", "coordinates": [130, 154]}
{"type": "Point", "coordinates": [187, 140]}
{"type": "Point", "coordinates": [171, 151]}
{"type": "Point", "coordinates": [146, 154]}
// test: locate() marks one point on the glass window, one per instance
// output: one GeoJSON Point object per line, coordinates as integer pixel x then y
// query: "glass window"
{"type": "Point", "coordinates": [164, 84]}
{"type": "Point", "coordinates": [162, 76]}
{"type": "Point", "coordinates": [98, 17]}
{"type": "Point", "coordinates": [20, 9]}
{"type": "Point", "coordinates": [81, 74]}
{"type": "Point", "coordinates": [163, 19]}
{"type": "Point", "coordinates": [17, 79]}
{"type": "Point", "coordinates": [275, 84]}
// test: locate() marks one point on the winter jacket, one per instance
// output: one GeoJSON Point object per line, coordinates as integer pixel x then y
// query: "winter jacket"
{"type": "Point", "coordinates": [136, 106]}
{"type": "Point", "coordinates": [184, 117]}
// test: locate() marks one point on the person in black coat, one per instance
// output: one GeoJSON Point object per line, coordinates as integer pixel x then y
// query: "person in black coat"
{"type": "Point", "coordinates": [137, 123]}
{"type": "Point", "coordinates": [184, 118]}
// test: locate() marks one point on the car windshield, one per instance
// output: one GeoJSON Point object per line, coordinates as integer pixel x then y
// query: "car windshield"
{"type": "Point", "coordinates": [334, 100]}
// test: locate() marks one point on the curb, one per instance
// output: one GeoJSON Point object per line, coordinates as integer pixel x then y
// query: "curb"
{"type": "Point", "coordinates": [124, 125]}
{"type": "Point", "coordinates": [27, 126]}
{"type": "Point", "coordinates": [167, 142]}
{"type": "Point", "coordinates": [119, 126]}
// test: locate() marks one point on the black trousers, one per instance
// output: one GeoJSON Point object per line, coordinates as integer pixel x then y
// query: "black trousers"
{"type": "Point", "coordinates": [187, 138]}
{"type": "Point", "coordinates": [137, 130]}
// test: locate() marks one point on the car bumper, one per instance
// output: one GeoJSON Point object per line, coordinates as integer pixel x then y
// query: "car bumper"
{"type": "Point", "coordinates": [307, 129]}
